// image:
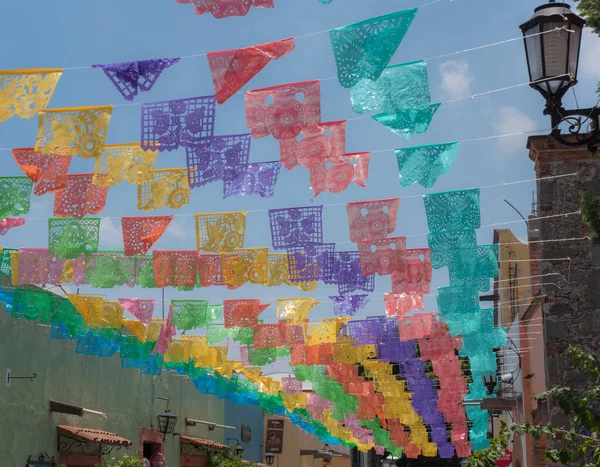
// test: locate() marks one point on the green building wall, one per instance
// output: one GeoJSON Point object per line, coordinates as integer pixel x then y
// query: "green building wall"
{"type": "Point", "coordinates": [28, 428]}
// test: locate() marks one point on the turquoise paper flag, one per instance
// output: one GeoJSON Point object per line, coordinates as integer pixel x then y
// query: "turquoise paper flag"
{"type": "Point", "coordinates": [363, 50]}
{"type": "Point", "coordinates": [424, 164]}
{"type": "Point", "coordinates": [407, 122]}
{"type": "Point", "coordinates": [474, 266]}
{"type": "Point", "coordinates": [399, 87]}
{"type": "Point", "coordinates": [452, 210]}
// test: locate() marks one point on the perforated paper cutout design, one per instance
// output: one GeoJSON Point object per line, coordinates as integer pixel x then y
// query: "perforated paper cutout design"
{"type": "Point", "coordinates": [10, 223]}
{"type": "Point", "coordinates": [175, 268]}
{"type": "Point", "coordinates": [347, 273]}
{"type": "Point", "coordinates": [168, 188]}
{"type": "Point", "coordinates": [124, 162]}
{"type": "Point", "coordinates": [296, 226]}
{"type": "Point", "coordinates": [207, 161]}
{"type": "Point", "coordinates": [73, 131]}
{"type": "Point", "coordinates": [193, 314]}
{"type": "Point", "coordinates": [311, 262]}
{"type": "Point", "coordinates": [414, 276]}
{"type": "Point", "coordinates": [38, 266]}
{"type": "Point", "coordinates": [15, 196]}
{"type": "Point", "coordinates": [251, 179]}
{"type": "Point", "coordinates": [220, 231]}
{"type": "Point", "coordinates": [132, 77]}
{"type": "Point", "coordinates": [399, 87]}
{"type": "Point", "coordinates": [442, 245]}
{"type": "Point", "coordinates": [226, 8]}
{"type": "Point", "coordinates": [398, 304]}
{"type": "Point", "coordinates": [382, 256]}
{"type": "Point", "coordinates": [268, 336]}
{"type": "Point", "coordinates": [279, 273]}
{"type": "Point", "coordinates": [407, 122]}
{"type": "Point", "coordinates": [242, 313]}
{"type": "Point", "coordinates": [346, 169]}
{"type": "Point", "coordinates": [348, 305]}
{"type": "Point", "coordinates": [315, 145]}
{"type": "Point", "coordinates": [425, 164]}
{"type": "Point", "coordinates": [295, 310]}
{"type": "Point", "coordinates": [363, 50]}
{"type": "Point", "coordinates": [109, 269]}
{"type": "Point", "coordinates": [70, 238]}
{"type": "Point", "coordinates": [141, 308]}
{"type": "Point", "coordinates": [232, 69]}
{"type": "Point", "coordinates": [80, 197]}
{"type": "Point", "coordinates": [48, 172]}
{"type": "Point", "coordinates": [141, 232]}
{"type": "Point", "coordinates": [372, 220]}
{"type": "Point", "coordinates": [474, 266]}
{"type": "Point", "coordinates": [167, 125]}
{"type": "Point", "coordinates": [245, 265]}
{"type": "Point", "coordinates": [25, 92]}
{"type": "Point", "coordinates": [294, 107]}
{"type": "Point", "coordinates": [210, 270]}
{"type": "Point", "coordinates": [453, 210]}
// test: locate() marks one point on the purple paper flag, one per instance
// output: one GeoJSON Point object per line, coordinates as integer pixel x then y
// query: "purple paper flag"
{"type": "Point", "coordinates": [207, 160]}
{"type": "Point", "coordinates": [296, 226]}
{"type": "Point", "coordinates": [166, 125]}
{"type": "Point", "coordinates": [257, 178]}
{"type": "Point", "coordinates": [311, 262]}
{"type": "Point", "coordinates": [131, 77]}
{"type": "Point", "coordinates": [347, 273]}
{"type": "Point", "coordinates": [348, 305]}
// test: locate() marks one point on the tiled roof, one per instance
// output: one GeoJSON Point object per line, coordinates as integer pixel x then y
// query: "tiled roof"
{"type": "Point", "coordinates": [204, 443]}
{"type": "Point", "coordinates": [89, 435]}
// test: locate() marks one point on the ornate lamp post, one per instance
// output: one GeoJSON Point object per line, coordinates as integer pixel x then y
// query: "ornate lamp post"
{"type": "Point", "coordinates": [167, 420]}
{"type": "Point", "coordinates": [553, 61]}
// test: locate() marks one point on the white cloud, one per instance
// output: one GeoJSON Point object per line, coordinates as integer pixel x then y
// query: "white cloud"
{"type": "Point", "coordinates": [110, 234]}
{"type": "Point", "coordinates": [456, 78]}
{"type": "Point", "coordinates": [589, 62]}
{"type": "Point", "coordinates": [509, 120]}
{"type": "Point", "coordinates": [176, 230]}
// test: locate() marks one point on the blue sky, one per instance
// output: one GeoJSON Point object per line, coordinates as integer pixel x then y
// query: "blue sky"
{"type": "Point", "coordinates": [73, 33]}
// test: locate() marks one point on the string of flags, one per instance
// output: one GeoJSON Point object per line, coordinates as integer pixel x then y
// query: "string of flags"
{"type": "Point", "coordinates": [394, 382]}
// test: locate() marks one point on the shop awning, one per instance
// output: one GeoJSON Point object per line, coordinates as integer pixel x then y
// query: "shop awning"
{"type": "Point", "coordinates": [204, 443]}
{"type": "Point", "coordinates": [88, 435]}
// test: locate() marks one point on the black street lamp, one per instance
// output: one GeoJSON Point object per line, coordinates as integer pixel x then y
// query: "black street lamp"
{"type": "Point", "coordinates": [269, 458]}
{"type": "Point", "coordinates": [166, 421]}
{"type": "Point", "coordinates": [490, 383]}
{"type": "Point", "coordinates": [553, 62]}
{"type": "Point", "coordinates": [238, 448]}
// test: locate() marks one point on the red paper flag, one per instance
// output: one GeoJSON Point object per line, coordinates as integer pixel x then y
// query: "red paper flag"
{"type": "Point", "coordinates": [47, 171]}
{"type": "Point", "coordinates": [232, 69]}
{"type": "Point", "coordinates": [141, 232]}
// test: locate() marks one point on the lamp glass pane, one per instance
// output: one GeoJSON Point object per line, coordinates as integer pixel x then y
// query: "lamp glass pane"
{"type": "Point", "coordinates": [534, 53]}
{"type": "Point", "coordinates": [556, 54]}
{"type": "Point", "coordinates": [575, 38]}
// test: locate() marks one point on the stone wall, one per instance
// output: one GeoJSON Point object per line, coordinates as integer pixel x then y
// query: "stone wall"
{"type": "Point", "coordinates": [572, 306]}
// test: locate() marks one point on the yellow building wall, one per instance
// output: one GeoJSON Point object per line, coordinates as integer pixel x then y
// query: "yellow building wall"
{"type": "Point", "coordinates": [514, 283]}
{"type": "Point", "coordinates": [296, 439]}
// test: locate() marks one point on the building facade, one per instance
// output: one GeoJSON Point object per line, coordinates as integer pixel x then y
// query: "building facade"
{"type": "Point", "coordinates": [81, 407]}
{"type": "Point", "coordinates": [301, 449]}
{"type": "Point", "coordinates": [569, 265]}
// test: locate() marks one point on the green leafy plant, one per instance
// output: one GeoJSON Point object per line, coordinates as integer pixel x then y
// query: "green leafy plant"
{"type": "Point", "coordinates": [580, 441]}
{"type": "Point", "coordinates": [590, 10]}
{"type": "Point", "coordinates": [228, 459]}
{"type": "Point", "coordinates": [590, 208]}
{"type": "Point", "coordinates": [125, 461]}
